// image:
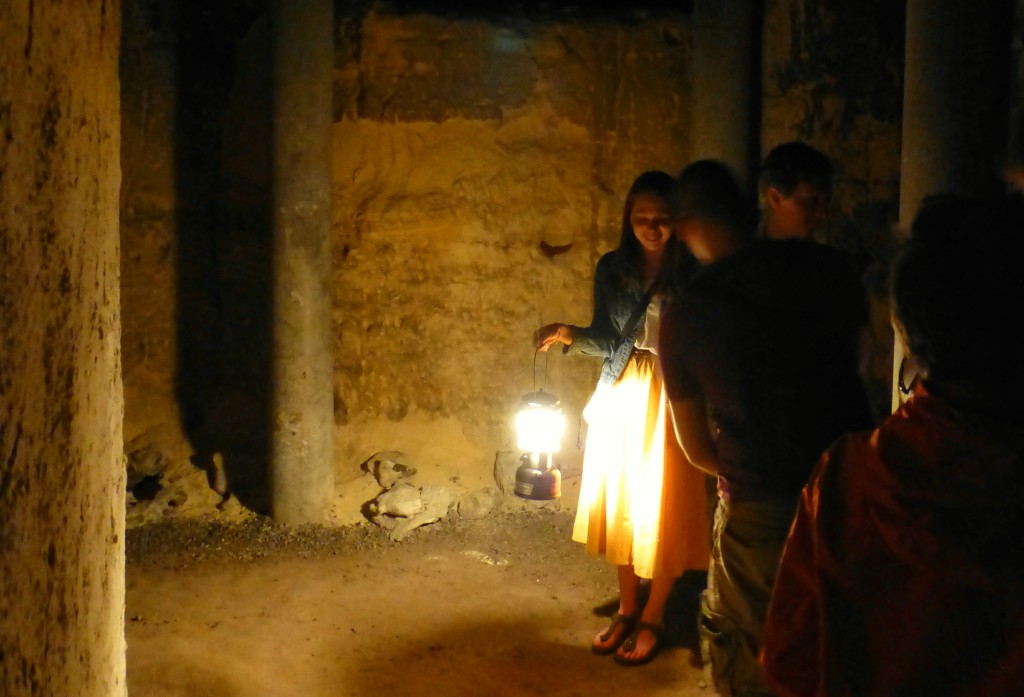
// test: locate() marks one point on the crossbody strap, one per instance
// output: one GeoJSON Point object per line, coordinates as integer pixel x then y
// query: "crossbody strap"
{"type": "Point", "coordinates": [633, 323]}
{"type": "Point", "coordinates": [616, 363]}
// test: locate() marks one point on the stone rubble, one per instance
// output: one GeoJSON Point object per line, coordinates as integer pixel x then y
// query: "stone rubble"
{"type": "Point", "coordinates": [165, 483]}
{"type": "Point", "coordinates": [388, 467]}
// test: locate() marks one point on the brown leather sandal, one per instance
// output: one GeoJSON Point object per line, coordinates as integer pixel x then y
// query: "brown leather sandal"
{"type": "Point", "coordinates": [618, 620]}
{"type": "Point", "coordinates": [630, 644]}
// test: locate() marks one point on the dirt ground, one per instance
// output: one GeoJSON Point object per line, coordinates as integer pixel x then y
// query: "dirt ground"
{"type": "Point", "coordinates": [506, 605]}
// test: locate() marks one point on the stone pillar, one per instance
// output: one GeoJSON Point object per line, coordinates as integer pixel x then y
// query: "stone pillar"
{"type": "Point", "coordinates": [301, 463]}
{"type": "Point", "coordinates": [62, 479]}
{"type": "Point", "coordinates": [955, 105]}
{"type": "Point", "coordinates": [724, 61]}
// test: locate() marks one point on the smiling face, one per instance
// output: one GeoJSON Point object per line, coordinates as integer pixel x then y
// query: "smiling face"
{"type": "Point", "coordinates": [651, 220]}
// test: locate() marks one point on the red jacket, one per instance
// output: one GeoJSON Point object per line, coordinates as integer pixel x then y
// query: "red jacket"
{"type": "Point", "coordinates": [904, 571]}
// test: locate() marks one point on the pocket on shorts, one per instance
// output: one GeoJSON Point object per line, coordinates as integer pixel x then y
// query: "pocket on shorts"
{"type": "Point", "coordinates": [717, 647]}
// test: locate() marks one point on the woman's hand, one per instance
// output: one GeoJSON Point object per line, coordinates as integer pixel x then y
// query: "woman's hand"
{"type": "Point", "coordinates": [551, 333]}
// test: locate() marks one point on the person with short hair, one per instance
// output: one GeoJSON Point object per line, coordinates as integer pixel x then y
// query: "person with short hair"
{"type": "Point", "coordinates": [795, 184]}
{"type": "Point", "coordinates": [759, 356]}
{"type": "Point", "coordinates": [904, 571]}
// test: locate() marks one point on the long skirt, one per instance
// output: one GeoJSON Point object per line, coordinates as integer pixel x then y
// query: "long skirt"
{"type": "Point", "coordinates": [641, 501]}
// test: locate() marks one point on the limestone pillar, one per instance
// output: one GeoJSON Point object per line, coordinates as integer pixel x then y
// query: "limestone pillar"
{"type": "Point", "coordinates": [62, 479]}
{"type": "Point", "coordinates": [955, 105]}
{"type": "Point", "coordinates": [724, 62]}
{"type": "Point", "coordinates": [301, 464]}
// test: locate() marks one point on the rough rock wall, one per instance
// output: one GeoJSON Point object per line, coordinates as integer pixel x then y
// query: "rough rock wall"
{"type": "Point", "coordinates": [832, 76]}
{"type": "Point", "coordinates": [480, 163]}
{"type": "Point", "coordinates": [61, 476]}
{"type": "Point", "coordinates": [460, 146]}
{"type": "Point", "coordinates": [480, 171]}
{"type": "Point", "coordinates": [148, 199]}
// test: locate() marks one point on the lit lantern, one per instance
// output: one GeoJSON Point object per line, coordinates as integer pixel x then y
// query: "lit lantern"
{"type": "Point", "coordinates": [540, 424]}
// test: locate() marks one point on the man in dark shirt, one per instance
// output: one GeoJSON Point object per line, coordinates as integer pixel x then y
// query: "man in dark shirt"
{"type": "Point", "coordinates": [759, 355]}
{"type": "Point", "coordinates": [795, 184]}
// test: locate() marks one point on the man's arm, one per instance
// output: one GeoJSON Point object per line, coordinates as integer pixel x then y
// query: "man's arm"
{"type": "Point", "coordinates": [690, 421]}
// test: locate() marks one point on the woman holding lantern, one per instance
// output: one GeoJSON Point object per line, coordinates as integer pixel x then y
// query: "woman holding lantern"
{"type": "Point", "coordinates": [642, 506]}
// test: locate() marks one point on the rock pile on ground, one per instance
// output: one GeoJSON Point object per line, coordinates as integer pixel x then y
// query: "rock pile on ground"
{"type": "Point", "coordinates": [402, 506]}
{"type": "Point", "coordinates": [166, 481]}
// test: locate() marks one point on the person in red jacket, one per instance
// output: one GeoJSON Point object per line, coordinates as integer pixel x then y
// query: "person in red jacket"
{"type": "Point", "coordinates": [903, 573]}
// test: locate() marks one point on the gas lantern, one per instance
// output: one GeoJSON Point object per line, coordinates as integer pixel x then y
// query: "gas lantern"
{"type": "Point", "coordinates": [540, 424]}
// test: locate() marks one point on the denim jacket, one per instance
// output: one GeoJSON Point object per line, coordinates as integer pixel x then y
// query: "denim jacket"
{"type": "Point", "coordinates": [613, 306]}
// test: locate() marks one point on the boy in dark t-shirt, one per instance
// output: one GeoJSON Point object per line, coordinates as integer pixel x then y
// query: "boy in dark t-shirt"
{"type": "Point", "coordinates": [795, 185]}
{"type": "Point", "coordinates": [759, 356]}
{"type": "Point", "coordinates": [774, 355]}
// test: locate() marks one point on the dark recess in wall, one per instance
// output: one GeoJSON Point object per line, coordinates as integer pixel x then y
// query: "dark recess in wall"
{"type": "Point", "coordinates": [223, 249]}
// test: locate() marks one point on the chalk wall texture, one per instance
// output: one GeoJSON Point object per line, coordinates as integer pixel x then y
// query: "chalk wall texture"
{"type": "Point", "coordinates": [480, 169]}
{"type": "Point", "coordinates": [61, 472]}
{"type": "Point", "coordinates": [480, 163]}
{"type": "Point", "coordinates": [480, 172]}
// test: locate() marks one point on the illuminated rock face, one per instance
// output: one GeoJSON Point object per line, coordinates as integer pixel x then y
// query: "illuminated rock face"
{"type": "Point", "coordinates": [61, 472]}
{"type": "Point", "coordinates": [479, 171]}
{"type": "Point", "coordinates": [479, 167]}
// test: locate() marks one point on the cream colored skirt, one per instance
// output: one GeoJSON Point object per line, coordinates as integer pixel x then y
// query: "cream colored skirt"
{"type": "Point", "coordinates": [641, 501]}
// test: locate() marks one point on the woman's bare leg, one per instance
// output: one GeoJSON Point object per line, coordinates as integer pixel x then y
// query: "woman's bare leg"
{"type": "Point", "coordinates": [629, 585]}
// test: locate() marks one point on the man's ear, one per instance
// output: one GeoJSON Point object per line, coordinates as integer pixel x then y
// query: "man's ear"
{"type": "Point", "coordinates": [774, 197]}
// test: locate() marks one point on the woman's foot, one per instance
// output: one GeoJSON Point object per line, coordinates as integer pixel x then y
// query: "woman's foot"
{"type": "Point", "coordinates": [641, 646]}
{"type": "Point", "coordinates": [614, 635]}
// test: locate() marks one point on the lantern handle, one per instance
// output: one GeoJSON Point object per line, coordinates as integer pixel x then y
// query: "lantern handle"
{"type": "Point", "coordinates": [546, 358]}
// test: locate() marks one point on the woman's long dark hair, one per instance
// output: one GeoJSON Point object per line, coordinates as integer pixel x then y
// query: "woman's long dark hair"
{"type": "Point", "coordinates": [629, 255]}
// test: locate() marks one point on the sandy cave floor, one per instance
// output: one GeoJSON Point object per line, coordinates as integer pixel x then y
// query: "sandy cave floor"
{"type": "Point", "coordinates": [506, 605]}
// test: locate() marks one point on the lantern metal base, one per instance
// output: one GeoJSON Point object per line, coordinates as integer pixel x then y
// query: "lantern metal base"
{"type": "Point", "coordinates": [536, 481]}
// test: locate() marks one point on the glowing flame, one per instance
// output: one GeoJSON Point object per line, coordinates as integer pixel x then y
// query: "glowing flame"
{"type": "Point", "coordinates": [539, 428]}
